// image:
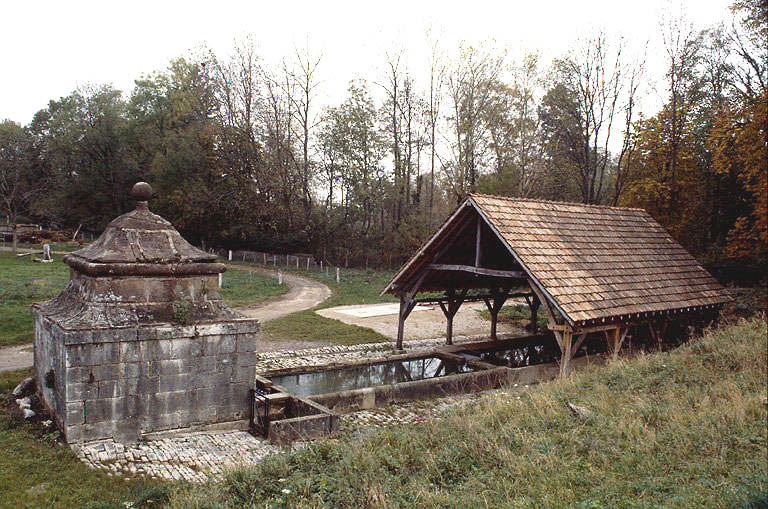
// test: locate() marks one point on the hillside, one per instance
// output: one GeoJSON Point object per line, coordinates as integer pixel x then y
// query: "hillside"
{"type": "Point", "coordinates": [680, 428]}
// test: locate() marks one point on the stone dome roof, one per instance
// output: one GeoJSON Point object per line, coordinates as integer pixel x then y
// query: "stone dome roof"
{"type": "Point", "coordinates": [142, 243]}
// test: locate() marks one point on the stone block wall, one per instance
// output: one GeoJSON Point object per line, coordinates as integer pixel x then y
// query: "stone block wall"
{"type": "Point", "coordinates": [124, 382]}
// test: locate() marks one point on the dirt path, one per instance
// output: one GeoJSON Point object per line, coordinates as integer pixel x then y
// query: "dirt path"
{"type": "Point", "coordinates": [16, 357]}
{"type": "Point", "coordinates": [303, 294]}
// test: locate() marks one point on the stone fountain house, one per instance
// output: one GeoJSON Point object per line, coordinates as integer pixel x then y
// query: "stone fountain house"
{"type": "Point", "coordinates": [140, 341]}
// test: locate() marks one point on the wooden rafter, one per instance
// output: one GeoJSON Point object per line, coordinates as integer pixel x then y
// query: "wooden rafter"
{"type": "Point", "coordinates": [481, 271]}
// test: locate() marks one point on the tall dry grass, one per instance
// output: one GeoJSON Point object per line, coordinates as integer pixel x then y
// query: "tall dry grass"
{"type": "Point", "coordinates": [681, 428]}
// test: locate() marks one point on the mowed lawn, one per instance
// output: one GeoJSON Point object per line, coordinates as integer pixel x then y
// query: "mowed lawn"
{"type": "Point", "coordinates": [23, 282]}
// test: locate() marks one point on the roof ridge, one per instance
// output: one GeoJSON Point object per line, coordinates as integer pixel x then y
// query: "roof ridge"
{"type": "Point", "coordinates": [554, 202]}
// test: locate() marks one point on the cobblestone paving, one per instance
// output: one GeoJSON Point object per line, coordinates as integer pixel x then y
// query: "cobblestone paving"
{"type": "Point", "coordinates": [195, 456]}
{"type": "Point", "coordinates": [192, 456]}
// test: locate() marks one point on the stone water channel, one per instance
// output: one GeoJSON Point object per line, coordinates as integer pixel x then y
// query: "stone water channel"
{"type": "Point", "coordinates": [197, 455]}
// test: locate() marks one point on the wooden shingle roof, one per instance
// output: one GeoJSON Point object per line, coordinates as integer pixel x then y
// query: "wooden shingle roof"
{"type": "Point", "coordinates": [599, 262]}
{"type": "Point", "coordinates": [593, 263]}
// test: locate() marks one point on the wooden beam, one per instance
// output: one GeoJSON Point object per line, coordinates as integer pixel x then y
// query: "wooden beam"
{"type": "Point", "coordinates": [478, 248]}
{"type": "Point", "coordinates": [545, 303]}
{"type": "Point", "coordinates": [481, 271]}
{"type": "Point", "coordinates": [621, 339]}
{"type": "Point", "coordinates": [559, 338]}
{"type": "Point", "coordinates": [579, 340]}
{"type": "Point", "coordinates": [468, 298]}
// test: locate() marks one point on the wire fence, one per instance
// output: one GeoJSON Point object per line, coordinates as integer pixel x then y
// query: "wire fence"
{"type": "Point", "coordinates": [278, 262]}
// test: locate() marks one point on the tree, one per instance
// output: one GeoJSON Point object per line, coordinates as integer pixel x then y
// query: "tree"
{"type": "Point", "coordinates": [596, 76]}
{"type": "Point", "coordinates": [353, 149]}
{"type": "Point", "coordinates": [303, 85]}
{"type": "Point", "coordinates": [88, 157]}
{"type": "Point", "coordinates": [17, 179]}
{"type": "Point", "coordinates": [470, 88]}
{"type": "Point", "coordinates": [436, 80]}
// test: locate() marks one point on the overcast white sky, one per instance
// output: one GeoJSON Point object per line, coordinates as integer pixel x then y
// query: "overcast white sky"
{"type": "Point", "coordinates": [49, 48]}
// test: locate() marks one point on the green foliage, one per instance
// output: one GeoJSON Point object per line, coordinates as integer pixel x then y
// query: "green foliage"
{"type": "Point", "coordinates": [684, 428]}
{"type": "Point", "coordinates": [23, 282]}
{"type": "Point", "coordinates": [519, 315]}
{"type": "Point", "coordinates": [356, 287]}
{"type": "Point", "coordinates": [309, 326]}
{"type": "Point", "coordinates": [182, 309]}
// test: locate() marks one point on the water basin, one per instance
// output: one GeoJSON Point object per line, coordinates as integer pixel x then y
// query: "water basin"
{"type": "Point", "coordinates": [359, 377]}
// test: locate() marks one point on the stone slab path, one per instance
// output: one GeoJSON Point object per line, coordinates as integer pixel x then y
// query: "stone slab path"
{"type": "Point", "coordinates": [197, 455]}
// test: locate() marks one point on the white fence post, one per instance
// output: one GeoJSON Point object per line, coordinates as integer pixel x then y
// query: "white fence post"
{"type": "Point", "coordinates": [338, 279]}
{"type": "Point", "coordinates": [221, 279]}
{"type": "Point", "coordinates": [230, 255]}
{"type": "Point", "coordinates": [279, 277]}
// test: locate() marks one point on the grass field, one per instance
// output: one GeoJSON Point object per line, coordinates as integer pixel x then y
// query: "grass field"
{"type": "Point", "coordinates": [243, 288]}
{"type": "Point", "coordinates": [23, 282]}
{"type": "Point", "coordinates": [685, 428]}
{"type": "Point", "coordinates": [36, 471]}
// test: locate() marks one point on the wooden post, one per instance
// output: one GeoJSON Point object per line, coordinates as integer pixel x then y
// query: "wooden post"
{"type": "Point", "coordinates": [565, 353]}
{"type": "Point", "coordinates": [454, 303]}
{"type": "Point", "coordinates": [449, 329]}
{"type": "Point", "coordinates": [400, 323]}
{"type": "Point", "coordinates": [534, 304]}
{"type": "Point", "coordinates": [406, 306]}
{"type": "Point", "coordinates": [493, 308]}
{"type": "Point", "coordinates": [478, 252]}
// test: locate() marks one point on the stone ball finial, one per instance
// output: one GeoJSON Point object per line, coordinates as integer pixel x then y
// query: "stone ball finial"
{"type": "Point", "coordinates": [141, 191]}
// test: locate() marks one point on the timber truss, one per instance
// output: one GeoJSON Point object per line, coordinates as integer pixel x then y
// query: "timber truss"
{"type": "Point", "coordinates": [468, 259]}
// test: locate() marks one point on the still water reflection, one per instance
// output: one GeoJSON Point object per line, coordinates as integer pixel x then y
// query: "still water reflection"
{"type": "Point", "coordinates": [358, 377]}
